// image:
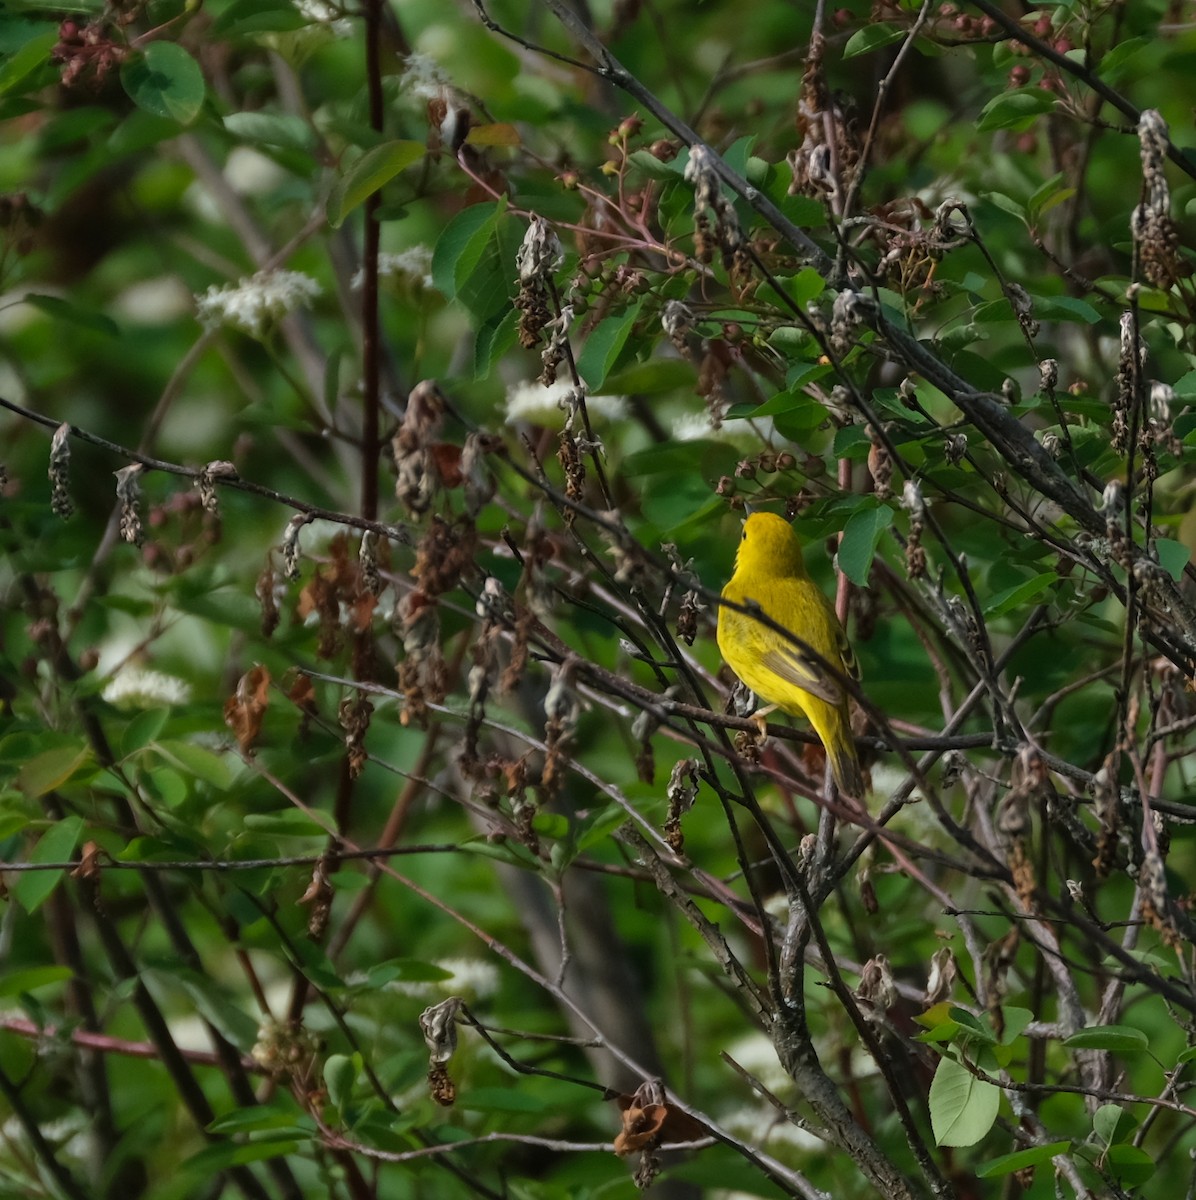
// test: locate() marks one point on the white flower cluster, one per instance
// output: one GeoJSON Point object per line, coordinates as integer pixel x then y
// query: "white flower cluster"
{"type": "Point", "coordinates": [424, 77]}
{"type": "Point", "coordinates": [470, 978]}
{"type": "Point", "coordinates": [326, 14]}
{"type": "Point", "coordinates": [532, 401]}
{"type": "Point", "coordinates": [256, 304]}
{"type": "Point", "coordinates": [135, 687]}
{"type": "Point", "coordinates": [414, 263]}
{"type": "Point", "coordinates": [740, 431]}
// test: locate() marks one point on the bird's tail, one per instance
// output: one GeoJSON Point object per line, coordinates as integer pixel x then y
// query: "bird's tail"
{"type": "Point", "coordinates": [845, 767]}
{"type": "Point", "coordinates": [833, 726]}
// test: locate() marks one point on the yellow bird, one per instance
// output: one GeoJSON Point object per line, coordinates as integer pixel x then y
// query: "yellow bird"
{"type": "Point", "coordinates": [769, 572]}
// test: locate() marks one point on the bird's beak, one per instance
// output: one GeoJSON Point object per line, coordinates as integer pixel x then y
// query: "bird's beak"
{"type": "Point", "coordinates": [747, 509]}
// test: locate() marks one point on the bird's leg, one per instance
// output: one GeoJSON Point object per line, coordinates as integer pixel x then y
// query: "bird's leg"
{"type": "Point", "coordinates": [760, 720]}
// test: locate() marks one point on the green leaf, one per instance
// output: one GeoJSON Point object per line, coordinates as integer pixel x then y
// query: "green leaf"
{"type": "Point", "coordinates": [872, 37]}
{"type": "Point", "coordinates": [1121, 1038]}
{"type": "Point", "coordinates": [280, 1117]}
{"type": "Point", "coordinates": [1005, 204]}
{"type": "Point", "coordinates": [1111, 1123]}
{"type": "Point", "coordinates": [371, 172]}
{"type": "Point", "coordinates": [13, 983]}
{"type": "Point", "coordinates": [1015, 110]}
{"type": "Point", "coordinates": [653, 377]}
{"type": "Point", "coordinates": [57, 844]}
{"type": "Point", "coordinates": [290, 822]}
{"type": "Point", "coordinates": [340, 1074]}
{"type": "Point", "coordinates": [19, 65]}
{"type": "Point", "coordinates": [1052, 193]}
{"type": "Point", "coordinates": [64, 310]}
{"type": "Point", "coordinates": [962, 1107]}
{"type": "Point", "coordinates": [1036, 1156]}
{"type": "Point", "coordinates": [1020, 594]}
{"type": "Point", "coordinates": [803, 287]}
{"type": "Point", "coordinates": [1064, 308]}
{"type": "Point", "coordinates": [165, 81]}
{"type": "Point", "coordinates": [410, 970]}
{"type": "Point", "coordinates": [258, 16]}
{"type": "Point", "coordinates": [197, 761]}
{"type": "Point", "coordinates": [211, 1160]}
{"type": "Point", "coordinates": [858, 545]}
{"type": "Point", "coordinates": [604, 345]}
{"type": "Point", "coordinates": [270, 129]}
{"type": "Point", "coordinates": [51, 769]}
{"type": "Point", "coordinates": [502, 1100]}
{"type": "Point", "coordinates": [1130, 1165]}
{"type": "Point", "coordinates": [1122, 60]}
{"type": "Point", "coordinates": [142, 730]}
{"type": "Point", "coordinates": [1173, 556]}
{"type": "Point", "coordinates": [474, 260]}
{"type": "Point", "coordinates": [217, 1009]}
{"type": "Point", "coordinates": [973, 1026]}
{"type": "Point", "coordinates": [494, 338]}
{"type": "Point", "coordinates": [1016, 1020]}
{"type": "Point", "coordinates": [461, 246]}
{"type": "Point", "coordinates": [654, 168]}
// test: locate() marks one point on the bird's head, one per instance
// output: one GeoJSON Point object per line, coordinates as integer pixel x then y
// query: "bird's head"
{"type": "Point", "coordinates": [769, 546]}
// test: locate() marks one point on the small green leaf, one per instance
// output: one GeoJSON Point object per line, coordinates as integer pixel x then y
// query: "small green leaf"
{"type": "Point", "coordinates": [474, 260]}
{"type": "Point", "coordinates": [1121, 60]}
{"type": "Point", "coordinates": [1005, 204]}
{"type": "Point", "coordinates": [51, 769]}
{"type": "Point", "coordinates": [962, 1107]}
{"type": "Point", "coordinates": [1043, 198]}
{"type": "Point", "coordinates": [409, 970]}
{"type": "Point", "coordinates": [142, 729]}
{"type": "Point", "coordinates": [245, 17]}
{"type": "Point", "coordinates": [57, 844]}
{"type": "Point", "coordinates": [1129, 1165]}
{"type": "Point", "coordinates": [502, 1100]}
{"type": "Point", "coordinates": [19, 65]}
{"type": "Point", "coordinates": [13, 983]}
{"type": "Point", "coordinates": [290, 822]}
{"type": "Point", "coordinates": [270, 129]}
{"type": "Point", "coordinates": [1036, 1156]}
{"type": "Point", "coordinates": [974, 1026]}
{"type": "Point", "coordinates": [165, 81]}
{"type": "Point", "coordinates": [872, 37]}
{"type": "Point", "coordinates": [604, 345]}
{"type": "Point", "coordinates": [654, 168]}
{"type": "Point", "coordinates": [1016, 1020]}
{"type": "Point", "coordinates": [1064, 308]}
{"type": "Point", "coordinates": [218, 1157]}
{"type": "Point", "coordinates": [64, 310]}
{"type": "Point", "coordinates": [1122, 1038]}
{"type": "Point", "coordinates": [803, 287]}
{"type": "Point", "coordinates": [653, 377]}
{"type": "Point", "coordinates": [371, 172]}
{"type": "Point", "coordinates": [212, 1003]}
{"type": "Point", "coordinates": [1173, 556]}
{"type": "Point", "coordinates": [858, 545]}
{"type": "Point", "coordinates": [1020, 594]}
{"type": "Point", "coordinates": [1015, 110]}
{"type": "Point", "coordinates": [282, 1120]}
{"type": "Point", "coordinates": [197, 761]}
{"type": "Point", "coordinates": [340, 1074]}
{"type": "Point", "coordinates": [1111, 1123]}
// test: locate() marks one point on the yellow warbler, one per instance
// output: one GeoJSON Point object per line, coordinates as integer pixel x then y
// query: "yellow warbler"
{"type": "Point", "coordinates": [769, 572]}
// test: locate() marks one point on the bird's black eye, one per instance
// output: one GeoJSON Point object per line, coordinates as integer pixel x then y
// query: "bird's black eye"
{"type": "Point", "coordinates": [743, 536]}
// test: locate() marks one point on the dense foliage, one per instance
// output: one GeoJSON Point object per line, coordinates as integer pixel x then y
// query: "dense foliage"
{"type": "Point", "coordinates": [382, 387]}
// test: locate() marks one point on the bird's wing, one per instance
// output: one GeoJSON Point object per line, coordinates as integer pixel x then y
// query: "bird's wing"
{"type": "Point", "coordinates": [851, 665]}
{"type": "Point", "coordinates": [796, 665]}
{"type": "Point", "coordinates": [787, 660]}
